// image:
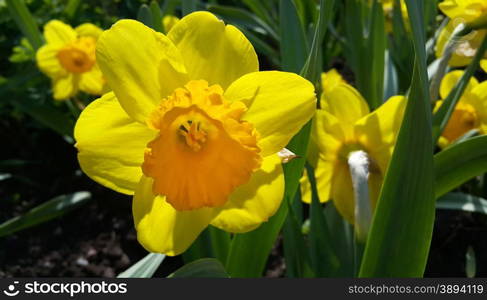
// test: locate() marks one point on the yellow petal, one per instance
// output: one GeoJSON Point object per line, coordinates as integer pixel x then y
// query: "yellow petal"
{"type": "Point", "coordinates": [48, 62]}
{"type": "Point", "coordinates": [92, 82]}
{"type": "Point", "coordinates": [168, 22]}
{"type": "Point", "coordinates": [323, 178]}
{"type": "Point", "coordinates": [140, 65]}
{"type": "Point", "coordinates": [328, 133]}
{"type": "Point", "coordinates": [212, 51]}
{"type": "Point", "coordinates": [331, 80]}
{"type": "Point", "coordinates": [342, 191]}
{"type": "Point", "coordinates": [466, 10]}
{"type": "Point", "coordinates": [305, 188]}
{"type": "Point", "coordinates": [111, 145]}
{"type": "Point", "coordinates": [380, 128]}
{"type": "Point", "coordinates": [483, 65]}
{"type": "Point", "coordinates": [256, 201]}
{"type": "Point", "coordinates": [57, 32]}
{"type": "Point", "coordinates": [478, 99]}
{"type": "Point", "coordinates": [161, 228]}
{"type": "Point", "coordinates": [65, 87]}
{"type": "Point", "coordinates": [346, 104]}
{"type": "Point", "coordinates": [279, 104]}
{"type": "Point", "coordinates": [88, 29]}
{"type": "Point", "coordinates": [450, 81]}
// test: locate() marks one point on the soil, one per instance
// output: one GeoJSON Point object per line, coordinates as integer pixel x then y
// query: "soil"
{"type": "Point", "coordinates": [98, 239]}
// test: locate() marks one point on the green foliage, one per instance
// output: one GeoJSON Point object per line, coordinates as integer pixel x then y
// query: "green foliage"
{"type": "Point", "coordinates": [403, 220]}
{"type": "Point", "coordinates": [144, 268]}
{"type": "Point", "coordinates": [49, 210]}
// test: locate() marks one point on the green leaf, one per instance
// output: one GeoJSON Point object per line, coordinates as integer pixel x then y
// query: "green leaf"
{"type": "Point", "coordinates": [27, 24]}
{"type": "Point", "coordinates": [443, 114]}
{"type": "Point", "coordinates": [188, 6]}
{"type": "Point", "coordinates": [200, 248]}
{"type": "Point", "coordinates": [259, 9]}
{"type": "Point", "coordinates": [237, 16]}
{"type": "Point", "coordinates": [47, 115]}
{"type": "Point", "coordinates": [324, 260]}
{"type": "Point", "coordinates": [144, 15]}
{"type": "Point", "coordinates": [365, 47]}
{"type": "Point", "coordinates": [169, 6]}
{"type": "Point", "coordinates": [401, 48]}
{"type": "Point", "coordinates": [202, 268]}
{"type": "Point", "coordinates": [72, 8]}
{"type": "Point", "coordinates": [470, 263]}
{"type": "Point", "coordinates": [460, 163]}
{"type": "Point", "coordinates": [249, 251]}
{"type": "Point", "coordinates": [463, 202]}
{"type": "Point", "coordinates": [312, 68]}
{"type": "Point", "coordinates": [144, 268]}
{"type": "Point", "coordinates": [400, 235]}
{"type": "Point", "coordinates": [296, 255]}
{"type": "Point", "coordinates": [156, 16]}
{"type": "Point", "coordinates": [49, 210]}
{"type": "Point", "coordinates": [294, 48]}
{"type": "Point", "coordinates": [220, 243]}
{"type": "Point", "coordinates": [376, 56]}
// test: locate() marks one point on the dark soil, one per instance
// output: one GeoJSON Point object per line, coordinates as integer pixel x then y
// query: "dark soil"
{"type": "Point", "coordinates": [98, 239]}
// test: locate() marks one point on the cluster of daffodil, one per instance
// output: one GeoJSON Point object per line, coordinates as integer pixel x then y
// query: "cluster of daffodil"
{"type": "Point", "coordinates": [192, 129]}
{"type": "Point", "coordinates": [470, 113]}
{"type": "Point", "coordinates": [462, 12]}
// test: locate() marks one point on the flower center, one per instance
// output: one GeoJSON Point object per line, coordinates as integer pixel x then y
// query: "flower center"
{"type": "Point", "coordinates": [463, 119]}
{"type": "Point", "coordinates": [78, 56]}
{"type": "Point", "coordinates": [203, 151]}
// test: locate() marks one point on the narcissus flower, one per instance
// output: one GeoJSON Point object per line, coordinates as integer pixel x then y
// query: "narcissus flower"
{"type": "Point", "coordinates": [345, 125]}
{"type": "Point", "coordinates": [462, 11]}
{"type": "Point", "coordinates": [470, 112]}
{"type": "Point", "coordinates": [68, 58]}
{"type": "Point", "coordinates": [192, 129]}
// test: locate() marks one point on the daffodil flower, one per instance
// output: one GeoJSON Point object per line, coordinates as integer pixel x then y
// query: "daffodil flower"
{"type": "Point", "coordinates": [469, 113]}
{"type": "Point", "coordinates": [68, 58]}
{"type": "Point", "coordinates": [345, 125]}
{"type": "Point", "coordinates": [462, 11]}
{"type": "Point", "coordinates": [192, 129]}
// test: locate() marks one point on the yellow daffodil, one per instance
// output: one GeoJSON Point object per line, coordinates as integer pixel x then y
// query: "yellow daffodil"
{"type": "Point", "coordinates": [168, 22]}
{"type": "Point", "coordinates": [345, 125]}
{"type": "Point", "coordinates": [192, 129]}
{"type": "Point", "coordinates": [68, 58]}
{"type": "Point", "coordinates": [462, 11]}
{"type": "Point", "coordinates": [470, 111]}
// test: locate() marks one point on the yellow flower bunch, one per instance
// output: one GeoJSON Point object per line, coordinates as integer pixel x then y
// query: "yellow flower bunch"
{"type": "Point", "coordinates": [462, 11]}
{"type": "Point", "coordinates": [192, 128]}
{"type": "Point", "coordinates": [344, 125]}
{"type": "Point", "coordinates": [469, 113]}
{"type": "Point", "coordinates": [68, 58]}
